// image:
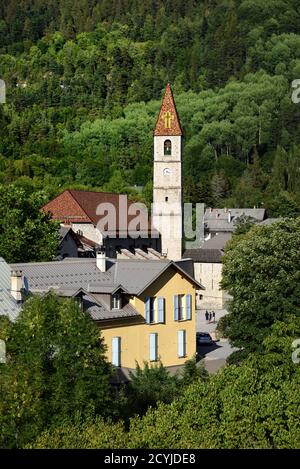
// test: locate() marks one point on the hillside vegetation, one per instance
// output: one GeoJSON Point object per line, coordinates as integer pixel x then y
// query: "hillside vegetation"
{"type": "Point", "coordinates": [85, 79]}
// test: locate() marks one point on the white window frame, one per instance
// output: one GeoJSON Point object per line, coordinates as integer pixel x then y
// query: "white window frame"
{"type": "Point", "coordinates": [116, 301]}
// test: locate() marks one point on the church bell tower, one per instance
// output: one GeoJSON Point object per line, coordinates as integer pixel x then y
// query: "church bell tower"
{"type": "Point", "coordinates": [167, 183]}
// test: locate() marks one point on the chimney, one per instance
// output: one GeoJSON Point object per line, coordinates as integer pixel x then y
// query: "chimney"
{"type": "Point", "coordinates": [16, 284]}
{"type": "Point", "coordinates": [229, 216]}
{"type": "Point", "coordinates": [225, 209]}
{"type": "Point", "coordinates": [101, 259]}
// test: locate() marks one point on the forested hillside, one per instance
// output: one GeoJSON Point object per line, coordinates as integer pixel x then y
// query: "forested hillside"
{"type": "Point", "coordinates": [85, 78]}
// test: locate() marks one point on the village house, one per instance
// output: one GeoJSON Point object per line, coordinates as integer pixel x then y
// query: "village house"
{"type": "Point", "coordinates": [207, 262]}
{"type": "Point", "coordinates": [145, 309]}
{"type": "Point", "coordinates": [83, 212]}
{"type": "Point", "coordinates": [223, 220]}
{"type": "Point", "coordinates": [72, 244]}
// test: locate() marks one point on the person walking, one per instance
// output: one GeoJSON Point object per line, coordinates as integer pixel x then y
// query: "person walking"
{"type": "Point", "coordinates": [206, 316]}
{"type": "Point", "coordinates": [214, 316]}
{"type": "Point", "coordinates": [210, 316]}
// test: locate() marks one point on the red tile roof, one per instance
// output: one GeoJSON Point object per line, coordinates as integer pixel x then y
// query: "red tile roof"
{"type": "Point", "coordinates": [168, 123]}
{"type": "Point", "coordinates": [66, 209]}
{"type": "Point", "coordinates": [73, 206]}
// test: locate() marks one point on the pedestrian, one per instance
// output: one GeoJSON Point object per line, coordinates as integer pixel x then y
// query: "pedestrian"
{"type": "Point", "coordinates": [214, 316]}
{"type": "Point", "coordinates": [206, 316]}
{"type": "Point", "coordinates": [210, 316]}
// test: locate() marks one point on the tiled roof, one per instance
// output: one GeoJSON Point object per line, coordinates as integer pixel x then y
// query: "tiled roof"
{"type": "Point", "coordinates": [85, 241]}
{"type": "Point", "coordinates": [73, 206]}
{"type": "Point", "coordinates": [65, 208]}
{"type": "Point", "coordinates": [168, 121]}
{"type": "Point", "coordinates": [8, 306]}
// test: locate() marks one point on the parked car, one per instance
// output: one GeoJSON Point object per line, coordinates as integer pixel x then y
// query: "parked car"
{"type": "Point", "coordinates": [203, 338]}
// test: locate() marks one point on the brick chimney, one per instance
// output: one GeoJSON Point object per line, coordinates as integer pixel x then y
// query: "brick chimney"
{"type": "Point", "coordinates": [16, 284]}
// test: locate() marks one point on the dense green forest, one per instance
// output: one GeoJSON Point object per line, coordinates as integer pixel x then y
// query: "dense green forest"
{"type": "Point", "coordinates": [85, 79]}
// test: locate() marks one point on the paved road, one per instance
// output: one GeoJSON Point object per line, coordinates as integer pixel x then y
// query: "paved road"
{"type": "Point", "coordinates": [214, 355]}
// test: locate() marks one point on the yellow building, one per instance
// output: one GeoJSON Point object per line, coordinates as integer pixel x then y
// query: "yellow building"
{"type": "Point", "coordinates": [164, 328]}
{"type": "Point", "coordinates": [145, 309]}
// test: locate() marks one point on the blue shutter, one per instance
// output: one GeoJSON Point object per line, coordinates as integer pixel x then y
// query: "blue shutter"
{"type": "Point", "coordinates": [153, 347]}
{"type": "Point", "coordinates": [176, 307]}
{"type": "Point", "coordinates": [147, 310]}
{"type": "Point", "coordinates": [188, 307]}
{"type": "Point", "coordinates": [181, 343]}
{"type": "Point", "coordinates": [161, 310]}
{"type": "Point", "coordinates": [116, 351]}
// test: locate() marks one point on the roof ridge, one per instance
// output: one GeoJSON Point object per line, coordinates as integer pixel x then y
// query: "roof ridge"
{"type": "Point", "coordinates": [63, 262]}
{"type": "Point", "coordinates": [80, 206]}
{"type": "Point", "coordinates": [69, 191]}
{"type": "Point", "coordinates": [96, 192]}
{"type": "Point", "coordinates": [56, 197]}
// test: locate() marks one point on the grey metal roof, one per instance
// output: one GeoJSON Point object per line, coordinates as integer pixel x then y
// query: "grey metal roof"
{"type": "Point", "coordinates": [217, 242]}
{"type": "Point", "coordinates": [63, 231]}
{"type": "Point", "coordinates": [211, 250]}
{"type": "Point", "coordinates": [217, 219]}
{"type": "Point", "coordinates": [210, 256]}
{"type": "Point", "coordinates": [69, 274]}
{"type": "Point", "coordinates": [136, 275]}
{"type": "Point", "coordinates": [269, 221]}
{"type": "Point", "coordinates": [8, 305]}
{"type": "Point", "coordinates": [99, 312]}
{"type": "Point", "coordinates": [72, 274]}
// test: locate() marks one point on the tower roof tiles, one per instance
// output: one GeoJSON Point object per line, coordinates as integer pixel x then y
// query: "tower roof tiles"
{"type": "Point", "coordinates": [168, 123]}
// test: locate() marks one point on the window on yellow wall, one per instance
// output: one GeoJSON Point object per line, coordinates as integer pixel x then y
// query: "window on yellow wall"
{"type": "Point", "coordinates": [182, 307]}
{"type": "Point", "coordinates": [116, 351]}
{"type": "Point", "coordinates": [181, 342]}
{"type": "Point", "coordinates": [153, 347]}
{"type": "Point", "coordinates": [152, 310]}
{"type": "Point", "coordinates": [155, 310]}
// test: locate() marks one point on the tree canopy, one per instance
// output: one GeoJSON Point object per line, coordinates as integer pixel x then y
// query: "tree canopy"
{"type": "Point", "coordinates": [55, 368]}
{"type": "Point", "coordinates": [26, 233]}
{"type": "Point", "coordinates": [261, 270]}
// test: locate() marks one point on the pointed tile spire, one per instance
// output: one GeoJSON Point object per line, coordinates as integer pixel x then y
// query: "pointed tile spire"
{"type": "Point", "coordinates": [168, 121]}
